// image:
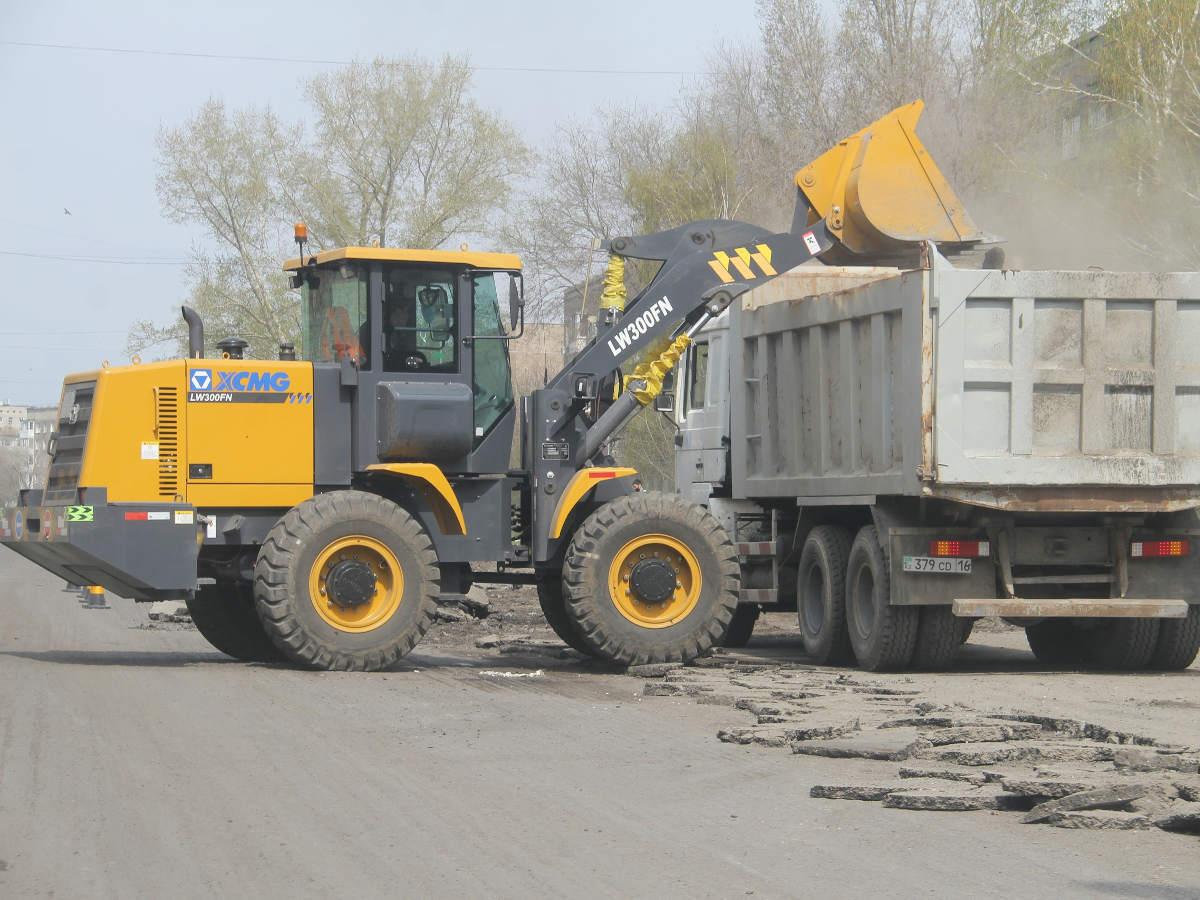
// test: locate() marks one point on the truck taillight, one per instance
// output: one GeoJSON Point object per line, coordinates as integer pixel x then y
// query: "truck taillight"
{"type": "Point", "coordinates": [1154, 549]}
{"type": "Point", "coordinates": [960, 548]}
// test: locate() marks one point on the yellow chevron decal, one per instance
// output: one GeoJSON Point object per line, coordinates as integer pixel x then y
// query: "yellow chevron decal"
{"type": "Point", "coordinates": [741, 261]}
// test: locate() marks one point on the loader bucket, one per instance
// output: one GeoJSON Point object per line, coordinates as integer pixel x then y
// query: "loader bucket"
{"type": "Point", "coordinates": [881, 194]}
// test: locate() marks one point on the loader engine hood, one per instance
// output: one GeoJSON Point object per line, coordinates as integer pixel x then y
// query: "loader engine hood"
{"type": "Point", "coordinates": [197, 430]}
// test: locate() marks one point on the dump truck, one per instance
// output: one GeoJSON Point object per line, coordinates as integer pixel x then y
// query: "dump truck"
{"type": "Point", "coordinates": [312, 507]}
{"type": "Point", "coordinates": [898, 452]}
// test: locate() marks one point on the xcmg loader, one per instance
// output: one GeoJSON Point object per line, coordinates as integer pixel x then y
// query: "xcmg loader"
{"type": "Point", "coordinates": [311, 509]}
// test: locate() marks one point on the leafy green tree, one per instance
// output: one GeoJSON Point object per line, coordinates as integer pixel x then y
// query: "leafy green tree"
{"type": "Point", "coordinates": [397, 153]}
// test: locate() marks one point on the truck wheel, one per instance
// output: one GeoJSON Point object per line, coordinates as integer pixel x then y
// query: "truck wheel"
{"type": "Point", "coordinates": [224, 614]}
{"type": "Point", "coordinates": [821, 596]}
{"type": "Point", "coordinates": [741, 626]}
{"type": "Point", "coordinates": [965, 627]}
{"type": "Point", "coordinates": [650, 578]}
{"type": "Point", "coordinates": [346, 580]}
{"type": "Point", "coordinates": [1056, 642]}
{"type": "Point", "coordinates": [1123, 643]}
{"type": "Point", "coordinates": [1178, 642]}
{"type": "Point", "coordinates": [882, 636]}
{"type": "Point", "coordinates": [550, 597]}
{"type": "Point", "coordinates": [939, 635]}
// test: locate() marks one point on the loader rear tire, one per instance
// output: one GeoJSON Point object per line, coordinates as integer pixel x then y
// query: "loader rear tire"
{"type": "Point", "coordinates": [821, 596]}
{"type": "Point", "coordinates": [741, 626]}
{"type": "Point", "coordinates": [939, 635]}
{"type": "Point", "coordinates": [224, 615]}
{"type": "Point", "coordinates": [550, 598]}
{"type": "Point", "coordinates": [883, 636]}
{"type": "Point", "coordinates": [1123, 644]}
{"type": "Point", "coordinates": [346, 580]}
{"type": "Point", "coordinates": [650, 578]}
{"type": "Point", "coordinates": [1178, 642]}
{"type": "Point", "coordinates": [1057, 642]}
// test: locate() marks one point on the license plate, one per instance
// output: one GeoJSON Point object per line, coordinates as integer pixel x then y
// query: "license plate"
{"type": "Point", "coordinates": [937, 565]}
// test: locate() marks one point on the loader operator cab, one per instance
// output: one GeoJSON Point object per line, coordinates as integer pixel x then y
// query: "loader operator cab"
{"type": "Point", "coordinates": [423, 332]}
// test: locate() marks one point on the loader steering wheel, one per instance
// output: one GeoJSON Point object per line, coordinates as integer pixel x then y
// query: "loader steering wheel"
{"type": "Point", "coordinates": [415, 360]}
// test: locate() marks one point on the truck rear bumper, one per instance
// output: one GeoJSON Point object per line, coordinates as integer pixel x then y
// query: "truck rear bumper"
{"type": "Point", "coordinates": [1071, 608]}
{"type": "Point", "coordinates": [143, 551]}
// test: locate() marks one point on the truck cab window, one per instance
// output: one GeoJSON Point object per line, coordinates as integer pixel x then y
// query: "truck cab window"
{"type": "Point", "coordinates": [697, 376]}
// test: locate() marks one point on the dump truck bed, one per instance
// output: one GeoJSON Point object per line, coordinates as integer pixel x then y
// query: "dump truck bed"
{"type": "Point", "coordinates": [1019, 390]}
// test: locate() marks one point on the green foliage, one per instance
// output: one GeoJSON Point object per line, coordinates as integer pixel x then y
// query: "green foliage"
{"type": "Point", "coordinates": [397, 152]}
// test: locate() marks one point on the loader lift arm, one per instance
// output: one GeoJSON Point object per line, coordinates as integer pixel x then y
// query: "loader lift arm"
{"type": "Point", "coordinates": [877, 195]}
{"type": "Point", "coordinates": [706, 265]}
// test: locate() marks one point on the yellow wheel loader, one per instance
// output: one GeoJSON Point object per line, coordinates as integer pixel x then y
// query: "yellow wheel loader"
{"type": "Point", "coordinates": [311, 508]}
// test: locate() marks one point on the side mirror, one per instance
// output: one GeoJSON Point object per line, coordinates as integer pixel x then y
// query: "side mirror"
{"type": "Point", "coordinates": [516, 302]}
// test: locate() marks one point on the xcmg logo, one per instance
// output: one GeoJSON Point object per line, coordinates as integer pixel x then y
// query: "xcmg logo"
{"type": "Point", "coordinates": [208, 380]}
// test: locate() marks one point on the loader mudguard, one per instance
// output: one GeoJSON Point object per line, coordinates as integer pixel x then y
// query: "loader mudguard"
{"type": "Point", "coordinates": [435, 489]}
{"type": "Point", "coordinates": [142, 551]}
{"type": "Point", "coordinates": [580, 486]}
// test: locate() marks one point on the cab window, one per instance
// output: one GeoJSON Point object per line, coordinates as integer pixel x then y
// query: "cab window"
{"type": "Point", "coordinates": [493, 376]}
{"type": "Point", "coordinates": [420, 327]}
{"type": "Point", "coordinates": [334, 303]}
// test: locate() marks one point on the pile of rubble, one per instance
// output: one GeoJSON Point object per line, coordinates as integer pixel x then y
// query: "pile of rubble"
{"type": "Point", "coordinates": [931, 756]}
{"type": "Point", "coordinates": [502, 618]}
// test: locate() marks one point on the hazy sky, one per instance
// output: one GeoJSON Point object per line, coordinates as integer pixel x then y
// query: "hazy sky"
{"type": "Point", "coordinates": [79, 126]}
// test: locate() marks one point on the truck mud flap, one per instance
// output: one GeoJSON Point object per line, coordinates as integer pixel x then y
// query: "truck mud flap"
{"type": "Point", "coordinates": [143, 551]}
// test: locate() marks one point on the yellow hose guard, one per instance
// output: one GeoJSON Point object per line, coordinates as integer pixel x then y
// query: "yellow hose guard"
{"type": "Point", "coordinates": [646, 382]}
{"type": "Point", "coordinates": [612, 293]}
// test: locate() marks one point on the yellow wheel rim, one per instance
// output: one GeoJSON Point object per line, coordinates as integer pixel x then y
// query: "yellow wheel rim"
{"type": "Point", "coordinates": [649, 613]}
{"type": "Point", "coordinates": [389, 583]}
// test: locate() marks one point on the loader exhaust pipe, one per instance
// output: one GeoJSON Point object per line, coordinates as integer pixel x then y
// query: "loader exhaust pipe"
{"type": "Point", "coordinates": [195, 332]}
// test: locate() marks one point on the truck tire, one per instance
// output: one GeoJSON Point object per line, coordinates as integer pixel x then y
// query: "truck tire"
{"type": "Point", "coordinates": [965, 627]}
{"type": "Point", "coordinates": [741, 626]}
{"type": "Point", "coordinates": [1123, 644]}
{"type": "Point", "coordinates": [346, 580]}
{"type": "Point", "coordinates": [1178, 642]}
{"type": "Point", "coordinates": [821, 596]}
{"type": "Point", "coordinates": [882, 636]}
{"type": "Point", "coordinates": [650, 578]}
{"type": "Point", "coordinates": [550, 598]}
{"type": "Point", "coordinates": [1057, 642]}
{"type": "Point", "coordinates": [939, 635]}
{"type": "Point", "coordinates": [224, 615]}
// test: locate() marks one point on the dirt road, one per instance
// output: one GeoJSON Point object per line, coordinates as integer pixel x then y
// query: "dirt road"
{"type": "Point", "coordinates": [140, 763]}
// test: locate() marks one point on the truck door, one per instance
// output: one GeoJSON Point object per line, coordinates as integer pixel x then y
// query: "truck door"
{"type": "Point", "coordinates": [703, 416]}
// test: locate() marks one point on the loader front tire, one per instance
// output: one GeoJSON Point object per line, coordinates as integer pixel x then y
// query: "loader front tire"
{"type": "Point", "coordinates": [550, 598]}
{"type": "Point", "coordinates": [821, 596]}
{"type": "Point", "coordinates": [650, 578]}
{"type": "Point", "coordinates": [224, 615]}
{"type": "Point", "coordinates": [883, 636]}
{"type": "Point", "coordinates": [346, 580]}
